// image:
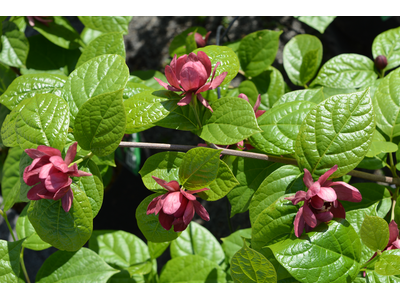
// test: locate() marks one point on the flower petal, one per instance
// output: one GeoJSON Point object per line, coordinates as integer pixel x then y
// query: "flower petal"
{"type": "Point", "coordinates": [308, 181]}
{"type": "Point", "coordinates": [166, 86]}
{"type": "Point", "coordinates": [317, 202]}
{"type": "Point", "coordinates": [204, 102]}
{"type": "Point", "coordinates": [151, 208]}
{"type": "Point", "coordinates": [179, 225]}
{"type": "Point", "coordinates": [189, 212]}
{"type": "Point", "coordinates": [393, 232]}
{"type": "Point", "coordinates": [338, 212]}
{"type": "Point", "coordinates": [200, 210]}
{"type": "Point", "coordinates": [34, 191]}
{"type": "Point", "coordinates": [46, 170]}
{"type": "Point", "coordinates": [309, 216]}
{"type": "Point", "coordinates": [299, 222]}
{"type": "Point", "coordinates": [172, 202]}
{"type": "Point", "coordinates": [56, 181]}
{"type": "Point", "coordinates": [165, 220]}
{"type": "Point", "coordinates": [324, 177]}
{"type": "Point", "coordinates": [71, 153]}
{"type": "Point", "coordinates": [66, 200]}
{"type": "Point", "coordinates": [345, 191]}
{"type": "Point", "coordinates": [179, 213]}
{"type": "Point", "coordinates": [171, 186]}
{"type": "Point", "coordinates": [324, 216]}
{"type": "Point", "coordinates": [218, 80]}
{"type": "Point", "coordinates": [243, 96]}
{"type": "Point", "coordinates": [313, 190]}
{"type": "Point", "coordinates": [396, 244]}
{"type": "Point", "coordinates": [49, 150]}
{"type": "Point", "coordinates": [171, 77]}
{"type": "Point", "coordinates": [257, 104]}
{"type": "Point", "coordinates": [34, 153]}
{"type": "Point", "coordinates": [185, 100]}
{"type": "Point", "coordinates": [203, 58]}
{"type": "Point", "coordinates": [298, 197]}
{"type": "Point", "coordinates": [59, 163]}
{"type": "Point", "coordinates": [31, 177]}
{"type": "Point", "coordinates": [327, 194]}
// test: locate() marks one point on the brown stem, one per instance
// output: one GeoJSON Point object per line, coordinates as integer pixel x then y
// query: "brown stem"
{"type": "Point", "coordinates": [284, 160]}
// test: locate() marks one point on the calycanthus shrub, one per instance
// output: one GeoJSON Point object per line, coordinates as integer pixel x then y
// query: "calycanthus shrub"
{"type": "Point", "coordinates": [287, 158]}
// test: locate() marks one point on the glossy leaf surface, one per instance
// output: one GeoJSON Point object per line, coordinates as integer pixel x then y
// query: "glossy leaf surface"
{"type": "Point", "coordinates": [9, 261]}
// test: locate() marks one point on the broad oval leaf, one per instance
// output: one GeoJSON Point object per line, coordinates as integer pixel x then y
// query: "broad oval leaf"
{"type": "Point", "coordinates": [250, 266]}
{"type": "Point", "coordinates": [388, 265]}
{"type": "Point", "coordinates": [10, 173]}
{"type": "Point", "coordinates": [199, 241]}
{"type": "Point", "coordinates": [7, 76]}
{"type": "Point", "coordinates": [338, 131]}
{"type": "Point", "coordinates": [156, 249]}
{"type": "Point", "coordinates": [228, 60]}
{"type": "Point", "coordinates": [270, 85]}
{"type": "Point", "coordinates": [102, 74]}
{"type": "Point", "coordinates": [109, 43]}
{"type": "Point", "coordinates": [257, 51]}
{"type": "Point", "coordinates": [312, 95]}
{"type": "Point", "coordinates": [346, 71]}
{"type": "Point", "coordinates": [232, 121]}
{"type": "Point", "coordinates": [319, 23]}
{"type": "Point", "coordinates": [387, 44]}
{"type": "Point", "coordinates": [280, 126]}
{"type": "Point", "coordinates": [374, 233]}
{"type": "Point", "coordinates": [82, 266]}
{"type": "Point", "coordinates": [65, 231]}
{"type": "Point", "coordinates": [14, 45]}
{"type": "Point", "coordinates": [27, 86]}
{"type": "Point", "coordinates": [331, 253]}
{"type": "Point", "coordinates": [234, 242]}
{"type": "Point", "coordinates": [44, 120]}
{"type": "Point", "coordinates": [192, 269]}
{"type": "Point", "coordinates": [100, 123]}
{"type": "Point", "coordinates": [106, 23]}
{"type": "Point", "coordinates": [149, 224]}
{"type": "Point", "coordinates": [9, 261]}
{"type": "Point", "coordinates": [302, 56]}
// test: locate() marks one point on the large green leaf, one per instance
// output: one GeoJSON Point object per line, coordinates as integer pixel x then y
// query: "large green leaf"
{"type": "Point", "coordinates": [302, 57]}
{"type": "Point", "coordinates": [232, 121]}
{"type": "Point", "coordinates": [10, 178]}
{"type": "Point", "coordinates": [43, 120]}
{"type": "Point", "coordinates": [199, 241]}
{"type": "Point", "coordinates": [26, 231]}
{"type": "Point", "coordinates": [100, 123]}
{"type": "Point", "coordinates": [192, 269]}
{"type": "Point", "coordinates": [27, 86]}
{"type": "Point", "coordinates": [109, 43]}
{"type": "Point", "coordinates": [273, 187]}
{"type": "Point", "coordinates": [386, 103]}
{"type": "Point", "coordinates": [102, 74]}
{"type": "Point", "coordinates": [319, 23]}
{"type": "Point", "coordinates": [250, 266]}
{"type": "Point", "coordinates": [387, 44]}
{"type": "Point", "coordinates": [331, 253]}
{"type": "Point", "coordinates": [59, 32]}
{"type": "Point", "coordinates": [149, 224]}
{"type": "Point", "coordinates": [346, 71]}
{"type": "Point", "coordinates": [156, 249]}
{"type": "Point", "coordinates": [106, 23]}
{"type": "Point", "coordinates": [9, 261]}
{"type": "Point", "coordinates": [228, 60]}
{"type": "Point", "coordinates": [134, 88]}
{"type": "Point", "coordinates": [65, 231]}
{"type": "Point", "coordinates": [312, 95]}
{"type": "Point", "coordinates": [257, 51]}
{"type": "Point", "coordinates": [374, 233]}
{"type": "Point", "coordinates": [270, 85]}
{"type": "Point", "coordinates": [338, 131]}
{"type": "Point", "coordinates": [388, 264]}
{"type": "Point", "coordinates": [82, 266]}
{"type": "Point", "coordinates": [234, 242]}
{"type": "Point", "coordinates": [199, 168]}
{"type": "Point", "coordinates": [6, 77]}
{"type": "Point", "coordinates": [14, 46]}
{"type": "Point", "coordinates": [280, 126]}
{"type": "Point", "coordinates": [164, 165]}
{"type": "Point", "coordinates": [119, 249]}
{"type": "Point", "coordinates": [147, 78]}
{"type": "Point", "coordinates": [250, 173]}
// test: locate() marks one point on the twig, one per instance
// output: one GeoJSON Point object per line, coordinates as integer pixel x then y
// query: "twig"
{"type": "Point", "coordinates": [284, 160]}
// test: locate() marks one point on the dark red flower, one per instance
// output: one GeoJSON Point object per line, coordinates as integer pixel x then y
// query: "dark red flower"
{"type": "Point", "coordinates": [200, 41]}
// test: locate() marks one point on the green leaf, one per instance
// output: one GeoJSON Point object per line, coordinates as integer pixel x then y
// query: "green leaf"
{"type": "Point", "coordinates": [149, 224]}
{"type": "Point", "coordinates": [100, 123]}
{"type": "Point", "coordinates": [312, 95]}
{"type": "Point", "coordinates": [374, 233]}
{"type": "Point", "coordinates": [145, 109]}
{"type": "Point", "coordinates": [26, 231]}
{"type": "Point", "coordinates": [379, 147]}
{"type": "Point", "coordinates": [250, 173]}
{"type": "Point", "coordinates": [107, 23]}
{"type": "Point", "coordinates": [222, 185]}
{"type": "Point", "coordinates": [386, 103]}
{"type": "Point", "coordinates": [373, 277]}
{"type": "Point", "coordinates": [270, 85]}
{"type": "Point", "coordinates": [232, 121]}
{"type": "Point", "coordinates": [10, 178]}
{"type": "Point", "coordinates": [388, 265]}
{"type": "Point", "coordinates": [257, 51]}
{"type": "Point", "coordinates": [65, 231]}
{"type": "Point", "coordinates": [92, 186]}
{"type": "Point", "coordinates": [102, 74]}
{"type": "Point", "coordinates": [387, 44]}
{"type": "Point", "coordinates": [27, 86]}
{"type": "Point", "coordinates": [88, 35]}
{"type": "Point", "coordinates": [178, 44]}
{"type": "Point", "coordinates": [319, 23]}
{"type": "Point", "coordinates": [59, 32]}
{"type": "Point", "coordinates": [331, 253]}
{"type": "Point", "coordinates": [164, 165]}
{"type": "Point", "coordinates": [249, 266]}
{"type": "Point", "coordinates": [346, 71]}
{"type": "Point", "coordinates": [280, 126]}
{"type": "Point", "coordinates": [119, 249]}
{"type": "Point", "coordinates": [192, 269]}
{"type": "Point", "coordinates": [338, 131]}
{"type": "Point", "coordinates": [156, 249]}
{"type": "Point", "coordinates": [14, 46]}
{"type": "Point", "coordinates": [9, 261]}
{"type": "Point", "coordinates": [199, 168]}
{"type": "Point", "coordinates": [178, 117]}
{"type": "Point", "coordinates": [232, 243]}
{"type": "Point", "coordinates": [190, 43]}
{"type": "Point", "coordinates": [273, 187]}
{"type": "Point", "coordinates": [6, 77]}
{"type": "Point", "coordinates": [83, 266]}
{"type": "Point", "coordinates": [133, 88]}
{"type": "Point", "coordinates": [147, 78]}
{"type": "Point", "coordinates": [302, 56]}
{"type": "Point", "coordinates": [199, 241]}
{"type": "Point", "coordinates": [109, 43]}
{"type": "Point", "coordinates": [224, 55]}
{"type": "Point", "coordinates": [43, 120]}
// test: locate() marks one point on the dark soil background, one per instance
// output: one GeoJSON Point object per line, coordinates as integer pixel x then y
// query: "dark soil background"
{"type": "Point", "coordinates": [147, 49]}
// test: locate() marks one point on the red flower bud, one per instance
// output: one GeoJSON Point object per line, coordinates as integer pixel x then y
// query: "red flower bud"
{"type": "Point", "coordinates": [381, 62]}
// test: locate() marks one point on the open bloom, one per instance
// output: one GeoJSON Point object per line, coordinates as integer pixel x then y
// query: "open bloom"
{"type": "Point", "coordinates": [200, 41]}
{"type": "Point", "coordinates": [189, 74]}
{"type": "Point", "coordinates": [321, 201]}
{"type": "Point", "coordinates": [50, 174]}
{"type": "Point", "coordinates": [176, 207]}
{"type": "Point", "coordinates": [31, 20]}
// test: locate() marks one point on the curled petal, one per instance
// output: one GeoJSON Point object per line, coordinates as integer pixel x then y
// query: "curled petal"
{"type": "Point", "coordinates": [260, 113]}
{"type": "Point", "coordinates": [59, 163]}
{"type": "Point", "coordinates": [257, 104]}
{"type": "Point", "coordinates": [324, 177]}
{"type": "Point", "coordinates": [172, 202]}
{"type": "Point", "coordinates": [151, 208]}
{"type": "Point", "coordinates": [49, 150]}
{"type": "Point", "coordinates": [188, 195]}
{"type": "Point", "coordinates": [197, 191]}
{"type": "Point", "coordinates": [393, 232]}
{"type": "Point", "coordinates": [396, 244]}
{"type": "Point", "coordinates": [62, 191]}
{"type": "Point", "coordinates": [66, 200]}
{"type": "Point", "coordinates": [193, 76]}
{"type": "Point", "coordinates": [165, 220]}
{"type": "Point", "coordinates": [166, 86]}
{"type": "Point", "coordinates": [201, 211]}
{"type": "Point", "coordinates": [345, 191]}
{"type": "Point", "coordinates": [324, 216]}
{"type": "Point", "coordinates": [173, 63]}
{"type": "Point", "coordinates": [34, 153]}
{"type": "Point", "coordinates": [56, 181]}
{"type": "Point", "coordinates": [32, 177]}
{"type": "Point", "coordinates": [71, 153]}
{"type": "Point", "coordinates": [317, 202]}
{"type": "Point", "coordinates": [46, 170]}
{"type": "Point", "coordinates": [309, 216]}
{"type": "Point", "coordinates": [204, 88]}
{"type": "Point", "coordinates": [179, 213]}
{"type": "Point", "coordinates": [218, 80]}
{"type": "Point", "coordinates": [179, 225]}
{"type": "Point", "coordinates": [299, 222]}
{"type": "Point", "coordinates": [185, 100]}
{"type": "Point", "coordinates": [313, 190]}
{"type": "Point", "coordinates": [33, 193]}
{"type": "Point", "coordinates": [298, 197]}
{"type": "Point", "coordinates": [338, 212]}
{"type": "Point", "coordinates": [204, 102]}
{"type": "Point", "coordinates": [181, 61]}
{"type": "Point", "coordinates": [203, 58]}
{"type": "Point", "coordinates": [308, 181]}
{"type": "Point", "coordinates": [171, 77]}
{"type": "Point", "coordinates": [243, 96]}
{"type": "Point", "coordinates": [171, 186]}
{"type": "Point", "coordinates": [327, 194]}
{"type": "Point", "coordinates": [189, 213]}
{"type": "Point", "coordinates": [199, 39]}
